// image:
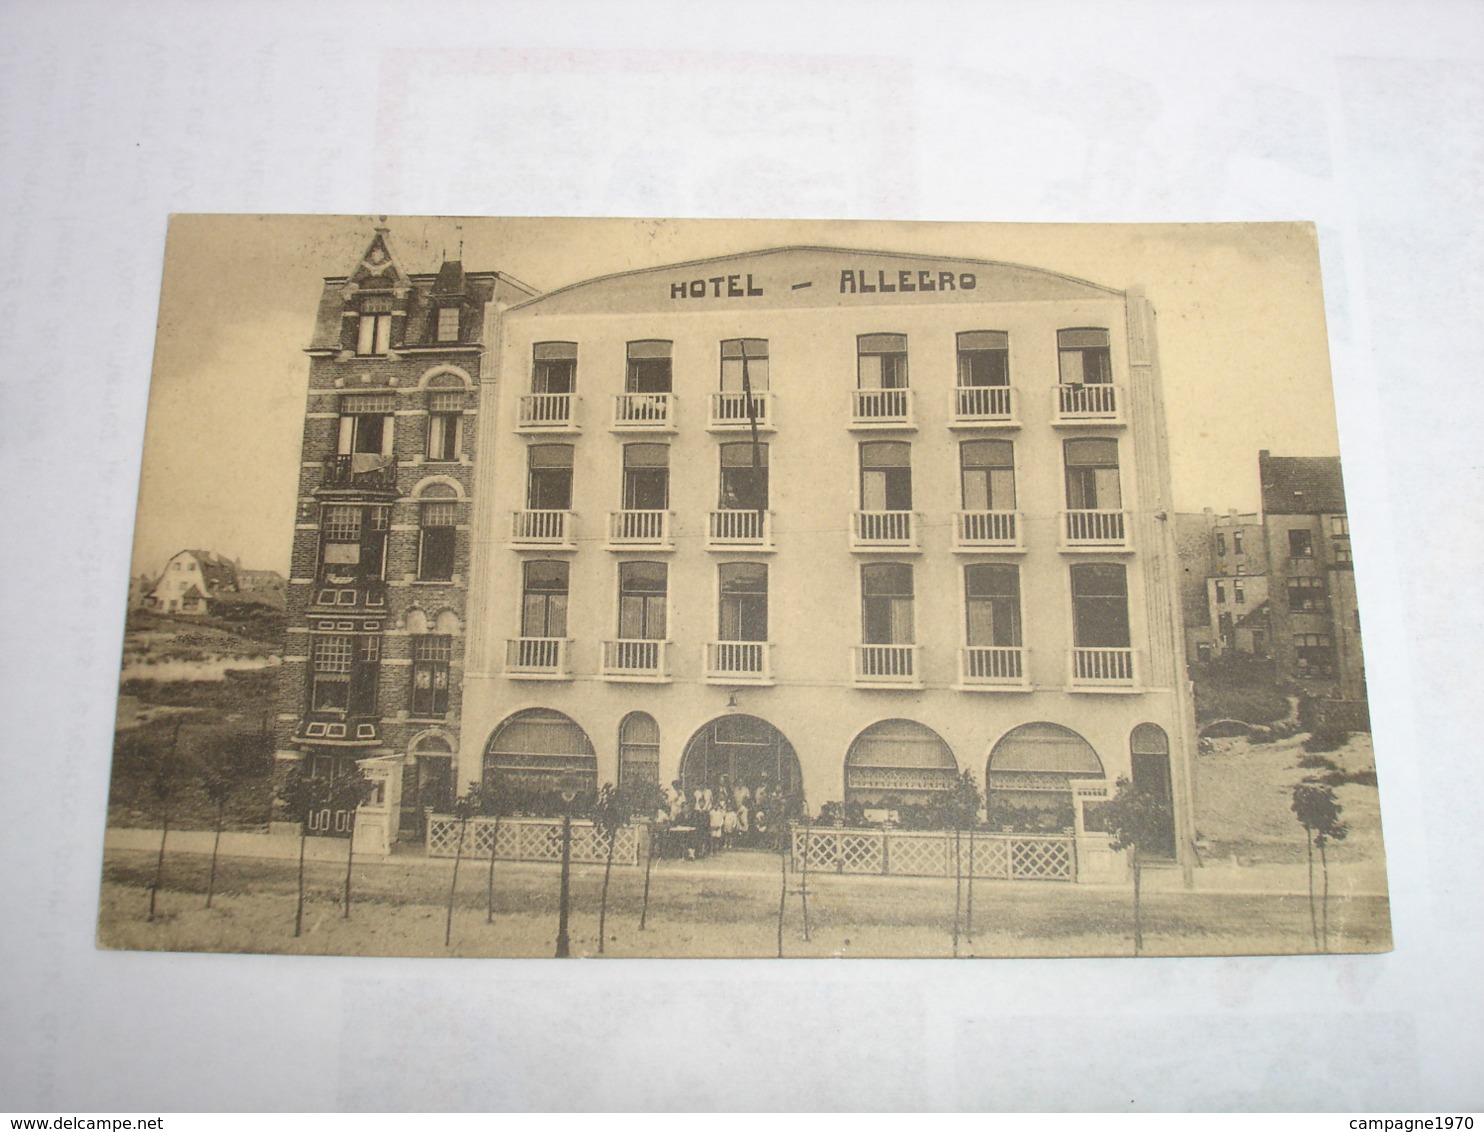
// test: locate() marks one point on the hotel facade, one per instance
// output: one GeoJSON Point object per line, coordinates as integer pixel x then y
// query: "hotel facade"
{"type": "Point", "coordinates": [841, 523]}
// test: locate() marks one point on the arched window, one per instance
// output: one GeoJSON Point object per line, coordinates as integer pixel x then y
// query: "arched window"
{"type": "Point", "coordinates": [898, 762]}
{"type": "Point", "coordinates": [1149, 761]}
{"type": "Point", "coordinates": [638, 752]}
{"type": "Point", "coordinates": [1029, 776]}
{"type": "Point", "coordinates": [532, 752]}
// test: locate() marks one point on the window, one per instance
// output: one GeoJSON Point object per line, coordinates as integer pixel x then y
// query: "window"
{"type": "Point", "coordinates": [1220, 593]}
{"type": "Point", "coordinates": [992, 601]}
{"type": "Point", "coordinates": [1339, 526]}
{"type": "Point", "coordinates": [646, 477]}
{"type": "Point", "coordinates": [448, 324]}
{"type": "Point", "coordinates": [366, 425]}
{"type": "Point", "coordinates": [445, 414]}
{"type": "Point", "coordinates": [641, 601]}
{"type": "Point", "coordinates": [549, 483]}
{"type": "Point", "coordinates": [436, 548]}
{"type": "Point", "coordinates": [1313, 654]}
{"type": "Point", "coordinates": [374, 334]}
{"type": "Point", "coordinates": [649, 367]}
{"type": "Point", "coordinates": [1082, 356]}
{"type": "Point", "coordinates": [353, 542]}
{"type": "Point", "coordinates": [744, 477]}
{"type": "Point", "coordinates": [431, 656]}
{"type": "Point", "coordinates": [743, 589]}
{"type": "Point", "coordinates": [555, 367]}
{"type": "Point", "coordinates": [1300, 544]}
{"type": "Point", "coordinates": [344, 672]}
{"type": "Point", "coordinates": [1220, 543]}
{"type": "Point", "coordinates": [886, 604]}
{"type": "Point", "coordinates": [882, 361]}
{"type": "Point", "coordinates": [543, 612]}
{"type": "Point", "coordinates": [983, 358]}
{"type": "Point", "coordinates": [638, 752]}
{"type": "Point", "coordinates": [1099, 606]}
{"type": "Point", "coordinates": [1092, 475]}
{"type": "Point", "coordinates": [741, 356]}
{"type": "Point", "coordinates": [1236, 542]}
{"type": "Point", "coordinates": [886, 476]}
{"type": "Point", "coordinates": [1307, 595]}
{"type": "Point", "coordinates": [988, 475]}
{"type": "Point", "coordinates": [1224, 627]}
{"type": "Point", "coordinates": [1239, 592]}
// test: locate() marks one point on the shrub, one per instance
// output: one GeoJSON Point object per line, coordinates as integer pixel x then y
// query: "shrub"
{"type": "Point", "coordinates": [1329, 740]}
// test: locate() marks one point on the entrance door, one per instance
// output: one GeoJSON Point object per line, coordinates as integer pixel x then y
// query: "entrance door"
{"type": "Point", "coordinates": [1150, 762]}
{"type": "Point", "coordinates": [427, 784]}
{"type": "Point", "coordinates": [746, 750]}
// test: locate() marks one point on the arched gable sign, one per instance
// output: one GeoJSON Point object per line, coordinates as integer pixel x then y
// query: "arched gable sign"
{"type": "Point", "coordinates": [445, 377]}
{"type": "Point", "coordinates": [435, 488]}
{"type": "Point", "coordinates": [898, 761]}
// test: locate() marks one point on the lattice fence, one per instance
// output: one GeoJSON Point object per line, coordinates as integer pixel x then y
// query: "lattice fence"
{"type": "Point", "coordinates": [529, 839]}
{"type": "Point", "coordinates": [992, 856]}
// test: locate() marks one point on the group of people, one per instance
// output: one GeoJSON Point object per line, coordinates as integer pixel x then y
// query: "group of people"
{"type": "Point", "coordinates": [701, 821]}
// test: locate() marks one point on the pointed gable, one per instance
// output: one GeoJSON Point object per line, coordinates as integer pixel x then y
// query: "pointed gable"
{"type": "Point", "coordinates": [379, 268]}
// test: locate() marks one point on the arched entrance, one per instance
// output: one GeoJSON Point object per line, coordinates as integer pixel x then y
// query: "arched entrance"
{"type": "Point", "coordinates": [427, 785]}
{"type": "Point", "coordinates": [1149, 758]}
{"type": "Point", "coordinates": [531, 753]}
{"type": "Point", "coordinates": [1029, 777]}
{"type": "Point", "coordinates": [747, 751]}
{"type": "Point", "coordinates": [898, 762]}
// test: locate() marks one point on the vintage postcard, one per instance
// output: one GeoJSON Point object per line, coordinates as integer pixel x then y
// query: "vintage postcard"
{"type": "Point", "coordinates": [558, 587]}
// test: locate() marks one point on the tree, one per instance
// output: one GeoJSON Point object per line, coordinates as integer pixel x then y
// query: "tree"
{"type": "Point", "coordinates": [494, 799]}
{"type": "Point", "coordinates": [611, 812]}
{"type": "Point", "coordinates": [168, 770]}
{"type": "Point", "coordinates": [1136, 820]}
{"type": "Point", "coordinates": [464, 808]}
{"type": "Point", "coordinates": [301, 795]}
{"type": "Point", "coordinates": [1318, 812]}
{"type": "Point", "coordinates": [348, 792]}
{"type": "Point", "coordinates": [224, 766]}
{"type": "Point", "coordinates": [659, 805]}
{"type": "Point", "coordinates": [960, 811]}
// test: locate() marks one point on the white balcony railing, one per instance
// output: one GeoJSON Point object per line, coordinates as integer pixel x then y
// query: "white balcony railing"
{"type": "Point", "coordinates": [749, 529]}
{"type": "Point", "coordinates": [884, 407]}
{"type": "Point", "coordinates": [1075, 404]}
{"type": "Point", "coordinates": [538, 657]}
{"type": "Point", "coordinates": [886, 664]}
{"type": "Point", "coordinates": [542, 528]}
{"type": "Point", "coordinates": [1102, 668]}
{"type": "Point", "coordinates": [991, 666]}
{"type": "Point", "coordinates": [730, 410]}
{"type": "Point", "coordinates": [643, 410]}
{"type": "Point", "coordinates": [987, 530]}
{"type": "Point", "coordinates": [634, 660]}
{"type": "Point", "coordinates": [639, 528]}
{"type": "Point", "coordinates": [984, 404]}
{"type": "Point", "coordinates": [547, 411]}
{"type": "Point", "coordinates": [1091, 529]}
{"type": "Point", "coordinates": [738, 662]}
{"type": "Point", "coordinates": [884, 530]}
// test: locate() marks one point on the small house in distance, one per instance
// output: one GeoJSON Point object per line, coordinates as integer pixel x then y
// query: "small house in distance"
{"type": "Point", "coordinates": [190, 581]}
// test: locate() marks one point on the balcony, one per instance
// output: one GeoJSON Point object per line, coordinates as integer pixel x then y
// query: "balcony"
{"type": "Point", "coordinates": [341, 586]}
{"type": "Point", "coordinates": [1094, 530]}
{"type": "Point", "coordinates": [731, 411]}
{"type": "Point", "coordinates": [640, 530]}
{"type": "Point", "coordinates": [1086, 405]}
{"type": "Point", "coordinates": [548, 412]}
{"type": "Point", "coordinates": [635, 660]}
{"type": "Point", "coordinates": [360, 470]}
{"type": "Point", "coordinates": [886, 666]}
{"type": "Point", "coordinates": [538, 658]}
{"type": "Point", "coordinates": [986, 668]}
{"type": "Point", "coordinates": [984, 406]}
{"type": "Point", "coordinates": [547, 530]}
{"type": "Point", "coordinates": [738, 662]}
{"type": "Point", "coordinates": [977, 531]}
{"type": "Point", "coordinates": [881, 408]}
{"type": "Point", "coordinates": [1102, 669]}
{"type": "Point", "coordinates": [884, 531]}
{"type": "Point", "coordinates": [740, 530]}
{"type": "Point", "coordinates": [643, 412]}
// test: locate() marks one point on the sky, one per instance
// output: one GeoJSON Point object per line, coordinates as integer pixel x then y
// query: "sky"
{"type": "Point", "coordinates": [1240, 312]}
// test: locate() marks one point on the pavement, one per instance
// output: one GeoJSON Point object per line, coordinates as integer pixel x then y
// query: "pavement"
{"type": "Point", "coordinates": [1364, 878]}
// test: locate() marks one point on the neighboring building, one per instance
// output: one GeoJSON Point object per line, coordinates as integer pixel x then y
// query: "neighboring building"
{"type": "Point", "coordinates": [265, 586]}
{"type": "Point", "coordinates": [1225, 586]}
{"type": "Point", "coordinates": [844, 522]}
{"type": "Point", "coordinates": [1315, 618]}
{"type": "Point", "coordinates": [380, 565]}
{"type": "Point", "coordinates": [192, 580]}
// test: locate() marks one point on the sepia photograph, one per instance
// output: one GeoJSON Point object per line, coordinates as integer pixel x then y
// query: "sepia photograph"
{"type": "Point", "coordinates": [741, 589]}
